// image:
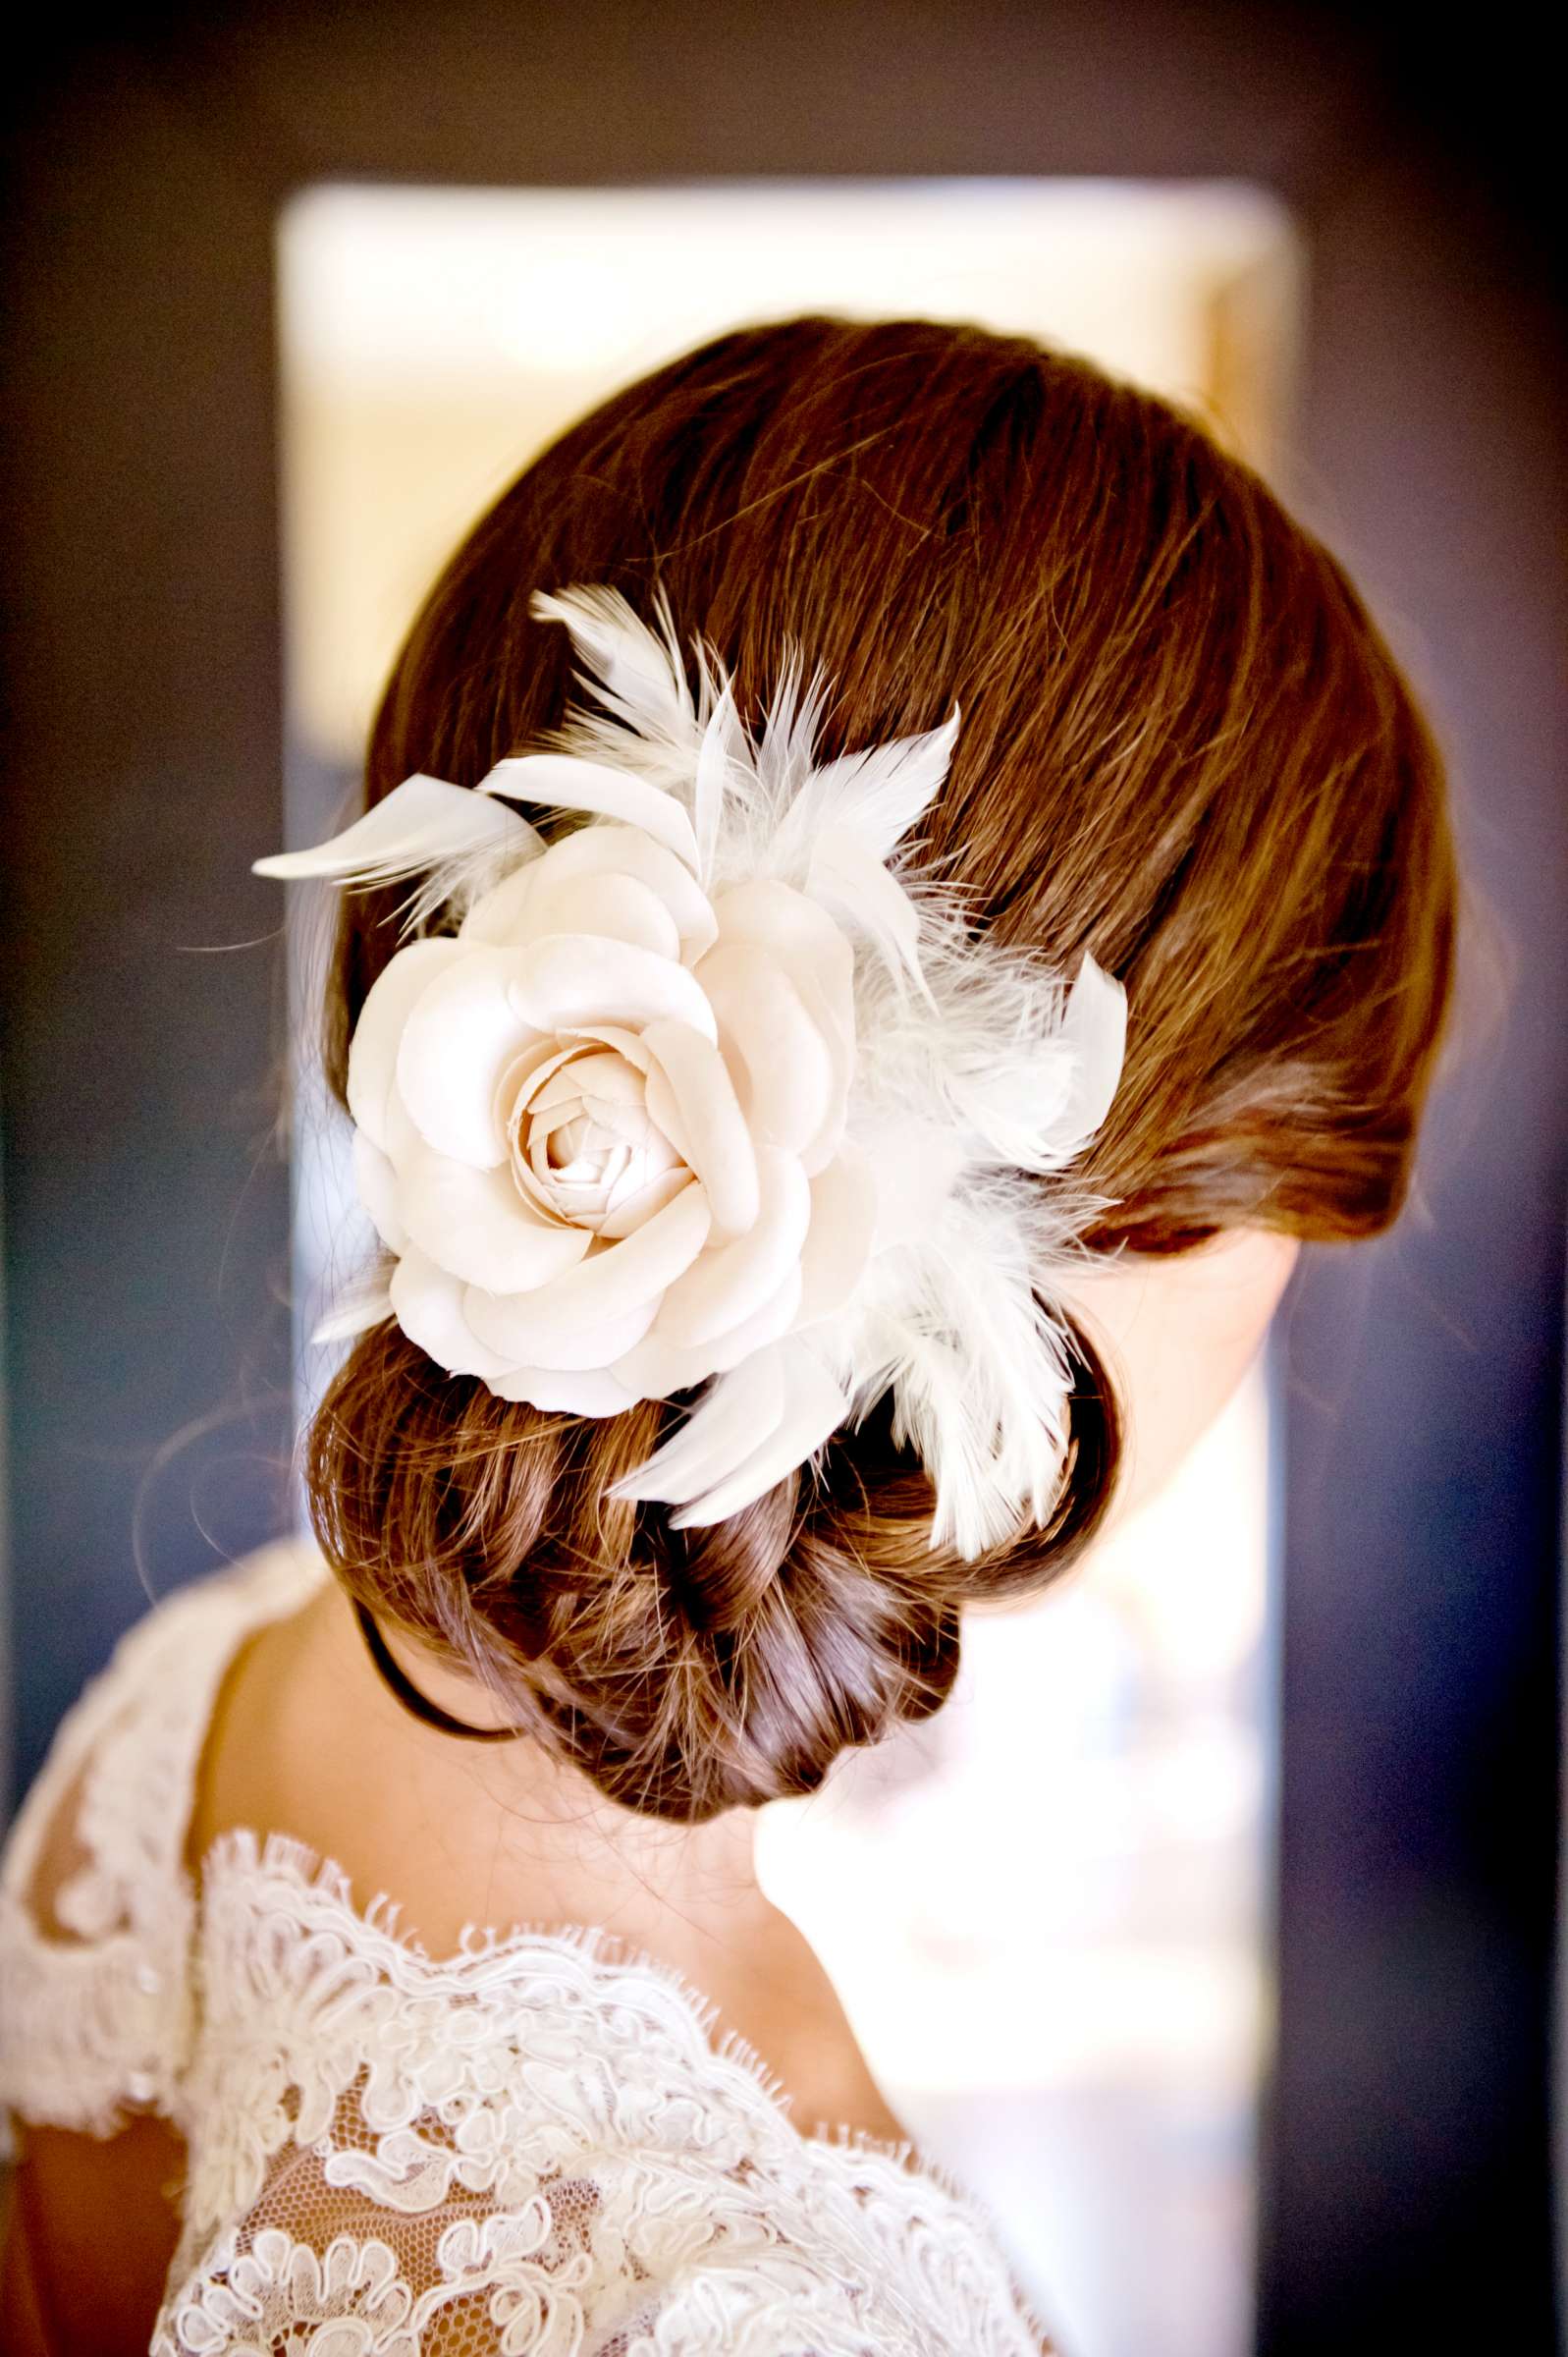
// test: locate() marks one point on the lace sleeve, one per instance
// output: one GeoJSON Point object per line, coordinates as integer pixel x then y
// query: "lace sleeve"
{"type": "Point", "coordinates": [371, 2246]}
{"type": "Point", "coordinates": [94, 2023]}
{"type": "Point", "coordinates": [97, 1910]}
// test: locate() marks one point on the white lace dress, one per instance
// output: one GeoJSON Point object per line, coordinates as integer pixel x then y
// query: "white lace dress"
{"type": "Point", "coordinates": [532, 2146]}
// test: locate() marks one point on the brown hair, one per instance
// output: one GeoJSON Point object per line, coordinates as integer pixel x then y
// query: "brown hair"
{"type": "Point", "coordinates": [1185, 748]}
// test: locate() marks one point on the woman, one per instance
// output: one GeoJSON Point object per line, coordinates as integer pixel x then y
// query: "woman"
{"type": "Point", "coordinates": [833, 1270]}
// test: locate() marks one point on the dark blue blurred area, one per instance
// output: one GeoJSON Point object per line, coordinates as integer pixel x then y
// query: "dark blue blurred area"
{"type": "Point", "coordinates": [1407, 2185]}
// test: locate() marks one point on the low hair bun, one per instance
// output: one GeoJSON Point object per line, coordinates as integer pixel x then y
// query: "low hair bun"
{"type": "Point", "coordinates": [684, 1671]}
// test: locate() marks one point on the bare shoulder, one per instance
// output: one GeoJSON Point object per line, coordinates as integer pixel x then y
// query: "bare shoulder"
{"type": "Point", "coordinates": [797, 2023]}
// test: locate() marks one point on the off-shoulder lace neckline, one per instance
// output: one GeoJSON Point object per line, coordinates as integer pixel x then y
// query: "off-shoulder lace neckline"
{"type": "Point", "coordinates": [487, 1955]}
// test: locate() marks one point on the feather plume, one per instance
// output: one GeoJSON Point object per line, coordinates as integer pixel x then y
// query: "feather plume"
{"type": "Point", "coordinates": [1094, 1029]}
{"type": "Point", "coordinates": [642, 716]}
{"type": "Point", "coordinates": [366, 1305]}
{"type": "Point", "coordinates": [875, 795]}
{"type": "Point", "coordinates": [847, 877]}
{"type": "Point", "coordinates": [458, 844]}
{"type": "Point", "coordinates": [951, 1326]}
{"type": "Point", "coordinates": [559, 782]}
{"type": "Point", "coordinates": [634, 672]}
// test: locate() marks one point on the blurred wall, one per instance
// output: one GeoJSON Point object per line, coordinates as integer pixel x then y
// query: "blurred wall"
{"type": "Point", "coordinates": [1407, 2186]}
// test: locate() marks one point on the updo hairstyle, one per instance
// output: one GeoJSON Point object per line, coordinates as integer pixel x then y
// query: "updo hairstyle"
{"type": "Point", "coordinates": [1185, 748]}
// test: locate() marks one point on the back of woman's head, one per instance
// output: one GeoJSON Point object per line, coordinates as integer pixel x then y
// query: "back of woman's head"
{"type": "Point", "coordinates": [1185, 748]}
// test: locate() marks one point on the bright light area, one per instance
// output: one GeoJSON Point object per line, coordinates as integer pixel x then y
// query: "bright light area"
{"type": "Point", "coordinates": [1044, 1911]}
{"type": "Point", "coordinates": [1024, 1890]}
{"type": "Point", "coordinates": [1045, 1908]}
{"type": "Point", "coordinates": [433, 340]}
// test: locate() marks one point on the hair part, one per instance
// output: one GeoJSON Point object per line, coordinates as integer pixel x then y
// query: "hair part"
{"type": "Point", "coordinates": [1186, 748]}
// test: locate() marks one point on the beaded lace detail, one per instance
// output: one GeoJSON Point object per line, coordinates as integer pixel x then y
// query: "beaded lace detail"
{"type": "Point", "coordinates": [534, 2146]}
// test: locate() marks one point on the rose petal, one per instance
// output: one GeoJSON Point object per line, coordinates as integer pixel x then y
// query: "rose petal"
{"type": "Point", "coordinates": [601, 849]}
{"type": "Point", "coordinates": [601, 1074]}
{"type": "Point", "coordinates": [788, 1068]}
{"type": "Point", "coordinates": [477, 1226]}
{"type": "Point", "coordinates": [729, 1281]}
{"type": "Point", "coordinates": [526, 1071]}
{"type": "Point", "coordinates": [815, 952]}
{"type": "Point", "coordinates": [819, 958]}
{"type": "Point", "coordinates": [618, 907]}
{"type": "Point", "coordinates": [373, 1050]}
{"type": "Point", "coordinates": [460, 1036]}
{"type": "Point", "coordinates": [778, 1315]}
{"type": "Point", "coordinates": [563, 1345]}
{"type": "Point", "coordinates": [625, 1278]}
{"type": "Point", "coordinates": [632, 1202]}
{"type": "Point", "coordinates": [660, 1368]}
{"type": "Point", "coordinates": [839, 1242]}
{"type": "Point", "coordinates": [580, 1203]}
{"type": "Point", "coordinates": [428, 1304]}
{"type": "Point", "coordinates": [587, 1065]}
{"type": "Point", "coordinates": [629, 1127]}
{"type": "Point", "coordinates": [627, 1044]}
{"type": "Point", "coordinates": [566, 980]}
{"type": "Point", "coordinates": [690, 1082]}
{"type": "Point", "coordinates": [377, 1183]}
{"type": "Point", "coordinates": [562, 1390]}
{"type": "Point", "coordinates": [500, 916]}
{"type": "Point", "coordinates": [564, 782]}
{"type": "Point", "coordinates": [525, 1144]}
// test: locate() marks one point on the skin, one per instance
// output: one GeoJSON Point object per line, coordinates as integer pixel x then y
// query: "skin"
{"type": "Point", "coordinates": [306, 1740]}
{"type": "Point", "coordinates": [1177, 1336]}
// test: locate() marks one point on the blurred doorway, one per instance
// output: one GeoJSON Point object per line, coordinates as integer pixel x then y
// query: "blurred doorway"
{"type": "Point", "coordinates": [1046, 1909]}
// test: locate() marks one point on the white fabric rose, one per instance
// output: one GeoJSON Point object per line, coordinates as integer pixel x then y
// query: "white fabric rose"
{"type": "Point", "coordinates": [602, 1128]}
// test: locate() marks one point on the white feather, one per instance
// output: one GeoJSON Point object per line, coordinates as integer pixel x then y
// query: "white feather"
{"type": "Point", "coordinates": [787, 748]}
{"type": "Point", "coordinates": [642, 716]}
{"type": "Point", "coordinates": [813, 1410]}
{"type": "Point", "coordinates": [878, 793]}
{"type": "Point", "coordinates": [565, 782]}
{"type": "Point", "coordinates": [640, 673]}
{"type": "Point", "coordinates": [366, 1306]}
{"type": "Point", "coordinates": [722, 748]}
{"type": "Point", "coordinates": [845, 876]}
{"type": "Point", "coordinates": [950, 1325]}
{"type": "Point", "coordinates": [459, 844]}
{"type": "Point", "coordinates": [1095, 1029]}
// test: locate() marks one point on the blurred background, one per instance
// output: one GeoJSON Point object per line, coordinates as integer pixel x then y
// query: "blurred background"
{"type": "Point", "coordinates": [1209, 1933]}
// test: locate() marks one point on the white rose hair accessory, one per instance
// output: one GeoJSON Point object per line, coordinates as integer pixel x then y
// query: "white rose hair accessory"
{"type": "Point", "coordinates": [707, 1091]}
